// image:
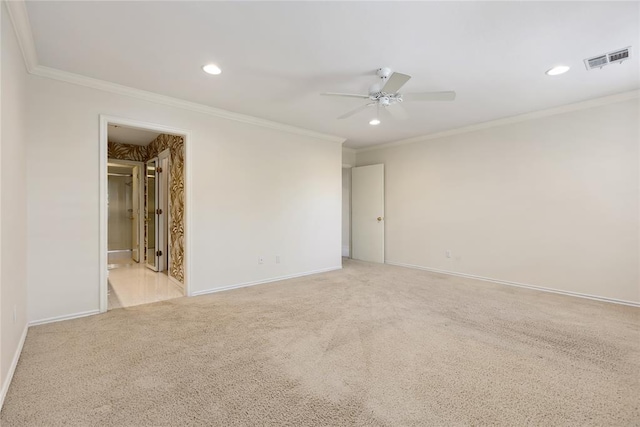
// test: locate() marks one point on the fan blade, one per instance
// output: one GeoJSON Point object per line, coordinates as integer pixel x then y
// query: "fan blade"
{"type": "Point", "coordinates": [429, 96]}
{"type": "Point", "coordinates": [346, 95]}
{"type": "Point", "coordinates": [396, 111]}
{"type": "Point", "coordinates": [395, 82]}
{"type": "Point", "coordinates": [357, 110]}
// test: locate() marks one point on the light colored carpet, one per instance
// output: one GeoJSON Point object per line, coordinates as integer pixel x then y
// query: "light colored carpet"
{"type": "Point", "coordinates": [369, 345]}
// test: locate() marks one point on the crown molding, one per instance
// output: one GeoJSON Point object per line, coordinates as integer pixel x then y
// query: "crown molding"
{"type": "Point", "coordinates": [583, 105]}
{"type": "Point", "coordinates": [19, 17]}
{"type": "Point", "coordinates": [77, 79]}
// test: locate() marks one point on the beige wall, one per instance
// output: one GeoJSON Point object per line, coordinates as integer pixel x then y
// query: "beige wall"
{"type": "Point", "coordinates": [551, 202]}
{"type": "Point", "coordinates": [348, 156]}
{"type": "Point", "coordinates": [255, 191]}
{"type": "Point", "coordinates": [13, 205]}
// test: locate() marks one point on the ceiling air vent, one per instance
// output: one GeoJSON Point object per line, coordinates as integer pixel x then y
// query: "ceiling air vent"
{"type": "Point", "coordinates": [620, 55]}
{"type": "Point", "coordinates": [600, 61]}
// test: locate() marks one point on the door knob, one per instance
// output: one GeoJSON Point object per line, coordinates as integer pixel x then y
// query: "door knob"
{"type": "Point", "coordinates": [379, 218]}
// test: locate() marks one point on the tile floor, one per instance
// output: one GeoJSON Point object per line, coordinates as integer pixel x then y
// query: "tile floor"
{"type": "Point", "coordinates": [131, 283]}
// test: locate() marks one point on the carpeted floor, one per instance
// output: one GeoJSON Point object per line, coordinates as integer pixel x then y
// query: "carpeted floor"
{"type": "Point", "coordinates": [368, 345]}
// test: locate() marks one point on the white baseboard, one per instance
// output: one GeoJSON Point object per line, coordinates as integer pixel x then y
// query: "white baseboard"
{"type": "Point", "coordinates": [64, 317]}
{"type": "Point", "coordinates": [260, 282]}
{"type": "Point", "coordinates": [12, 368]}
{"type": "Point", "coordinates": [519, 285]}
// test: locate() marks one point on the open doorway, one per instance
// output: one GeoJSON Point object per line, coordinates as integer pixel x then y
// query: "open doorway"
{"type": "Point", "coordinates": [144, 209]}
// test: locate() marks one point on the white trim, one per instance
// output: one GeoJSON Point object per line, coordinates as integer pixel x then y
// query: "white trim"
{"type": "Point", "coordinates": [519, 285]}
{"type": "Point", "coordinates": [260, 282]}
{"type": "Point", "coordinates": [103, 274]}
{"type": "Point", "coordinates": [12, 367]}
{"type": "Point", "coordinates": [144, 95]}
{"type": "Point", "coordinates": [188, 215]}
{"type": "Point", "coordinates": [583, 105]}
{"type": "Point", "coordinates": [105, 120]}
{"type": "Point", "coordinates": [20, 19]}
{"type": "Point", "coordinates": [64, 317]}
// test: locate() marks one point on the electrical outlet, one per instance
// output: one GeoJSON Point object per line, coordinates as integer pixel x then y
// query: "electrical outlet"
{"type": "Point", "coordinates": [448, 253]}
{"type": "Point", "coordinates": [260, 259]}
{"type": "Point", "coordinates": [277, 259]}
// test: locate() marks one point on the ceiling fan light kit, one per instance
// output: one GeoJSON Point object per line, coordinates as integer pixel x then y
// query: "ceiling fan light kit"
{"type": "Point", "coordinates": [386, 94]}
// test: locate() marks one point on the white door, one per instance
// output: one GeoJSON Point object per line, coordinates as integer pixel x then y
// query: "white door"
{"type": "Point", "coordinates": [367, 213]}
{"type": "Point", "coordinates": [163, 212]}
{"type": "Point", "coordinates": [152, 217]}
{"type": "Point", "coordinates": [135, 214]}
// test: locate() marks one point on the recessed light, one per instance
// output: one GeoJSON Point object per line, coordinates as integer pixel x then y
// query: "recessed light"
{"type": "Point", "coordinates": [560, 69]}
{"type": "Point", "coordinates": [211, 69]}
{"type": "Point", "coordinates": [374, 122]}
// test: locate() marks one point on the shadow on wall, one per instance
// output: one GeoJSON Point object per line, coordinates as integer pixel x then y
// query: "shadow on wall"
{"type": "Point", "coordinates": [139, 153]}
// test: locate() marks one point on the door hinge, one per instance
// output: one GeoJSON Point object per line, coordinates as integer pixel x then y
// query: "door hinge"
{"type": "Point", "coordinates": [158, 253]}
{"type": "Point", "coordinates": [159, 211]}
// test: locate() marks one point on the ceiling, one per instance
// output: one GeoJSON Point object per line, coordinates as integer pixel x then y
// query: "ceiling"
{"type": "Point", "coordinates": [277, 57]}
{"type": "Point", "coordinates": [127, 135]}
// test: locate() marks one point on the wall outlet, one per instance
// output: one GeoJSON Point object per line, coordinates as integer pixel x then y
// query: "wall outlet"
{"type": "Point", "coordinates": [447, 253]}
{"type": "Point", "coordinates": [277, 259]}
{"type": "Point", "coordinates": [260, 259]}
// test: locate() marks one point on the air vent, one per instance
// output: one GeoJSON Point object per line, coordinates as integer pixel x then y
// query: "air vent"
{"type": "Point", "coordinates": [600, 61]}
{"type": "Point", "coordinates": [620, 55]}
{"type": "Point", "coordinates": [597, 62]}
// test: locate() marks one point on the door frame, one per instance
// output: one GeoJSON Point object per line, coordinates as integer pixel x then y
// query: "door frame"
{"type": "Point", "coordinates": [105, 121]}
{"type": "Point", "coordinates": [141, 212]}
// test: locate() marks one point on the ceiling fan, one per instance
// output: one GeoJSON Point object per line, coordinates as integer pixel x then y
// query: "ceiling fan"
{"type": "Point", "coordinates": [385, 94]}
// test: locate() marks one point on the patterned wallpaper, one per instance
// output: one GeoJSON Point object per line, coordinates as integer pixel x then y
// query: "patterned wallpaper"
{"type": "Point", "coordinates": [136, 153]}
{"type": "Point", "coordinates": [139, 153]}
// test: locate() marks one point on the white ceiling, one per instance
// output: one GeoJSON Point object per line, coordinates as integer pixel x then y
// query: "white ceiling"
{"type": "Point", "coordinates": [277, 57]}
{"type": "Point", "coordinates": [127, 135]}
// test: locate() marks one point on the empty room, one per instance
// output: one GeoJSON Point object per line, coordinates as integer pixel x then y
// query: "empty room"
{"type": "Point", "coordinates": [359, 213]}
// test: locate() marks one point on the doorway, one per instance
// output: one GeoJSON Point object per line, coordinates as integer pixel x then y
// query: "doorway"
{"type": "Point", "coordinates": [143, 222]}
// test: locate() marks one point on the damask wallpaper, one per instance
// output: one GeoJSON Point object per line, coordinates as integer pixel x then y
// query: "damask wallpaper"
{"type": "Point", "coordinates": [139, 153]}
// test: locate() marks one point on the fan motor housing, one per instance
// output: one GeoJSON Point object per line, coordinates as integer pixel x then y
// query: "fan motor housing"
{"type": "Point", "coordinates": [383, 72]}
